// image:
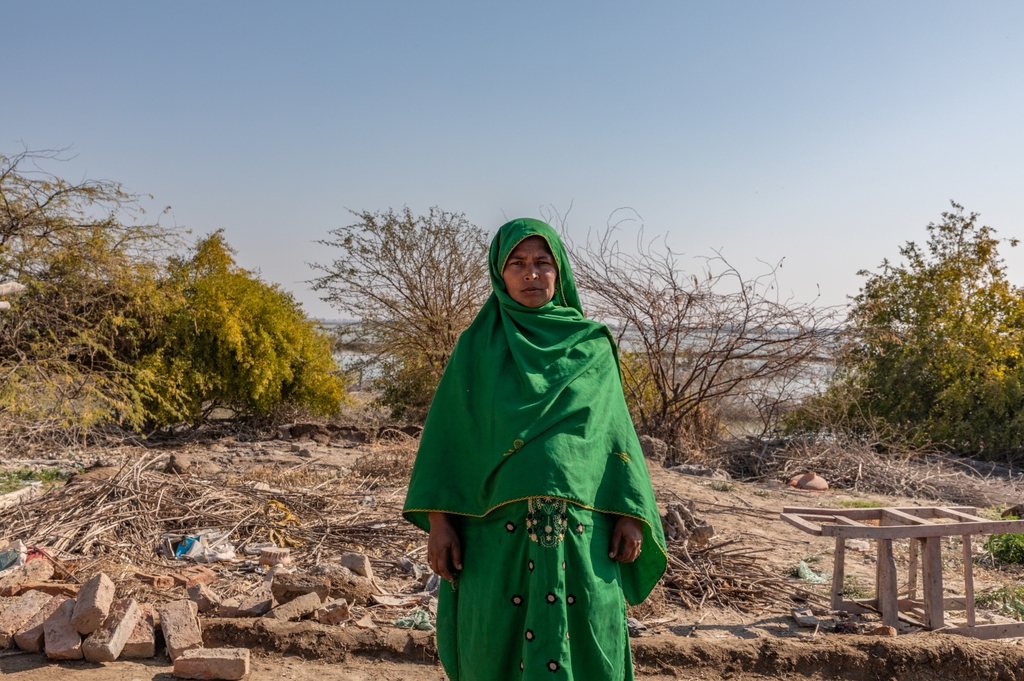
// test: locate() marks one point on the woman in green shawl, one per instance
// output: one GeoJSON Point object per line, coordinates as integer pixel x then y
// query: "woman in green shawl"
{"type": "Point", "coordinates": [532, 484]}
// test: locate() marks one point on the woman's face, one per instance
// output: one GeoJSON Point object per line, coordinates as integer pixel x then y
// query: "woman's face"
{"type": "Point", "coordinates": [530, 273]}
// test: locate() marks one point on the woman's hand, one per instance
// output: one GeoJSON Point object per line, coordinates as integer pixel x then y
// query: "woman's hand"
{"type": "Point", "coordinates": [444, 549]}
{"type": "Point", "coordinates": [626, 539]}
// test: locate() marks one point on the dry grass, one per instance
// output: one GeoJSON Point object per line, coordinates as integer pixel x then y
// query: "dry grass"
{"type": "Point", "coordinates": [388, 460]}
{"type": "Point", "coordinates": [288, 478]}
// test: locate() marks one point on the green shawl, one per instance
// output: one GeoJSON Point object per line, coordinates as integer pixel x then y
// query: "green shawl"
{"type": "Point", "coordinates": [531, 405]}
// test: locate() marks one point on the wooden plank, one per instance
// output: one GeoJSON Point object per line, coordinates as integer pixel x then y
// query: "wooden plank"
{"type": "Point", "coordinates": [968, 580]}
{"type": "Point", "coordinates": [989, 631]}
{"type": "Point", "coordinates": [922, 531]}
{"type": "Point", "coordinates": [909, 604]}
{"type": "Point", "coordinates": [818, 518]}
{"type": "Point", "coordinates": [902, 518]}
{"type": "Point", "coordinates": [885, 584]}
{"type": "Point", "coordinates": [838, 573]}
{"type": "Point", "coordinates": [853, 513]}
{"type": "Point", "coordinates": [912, 571]}
{"type": "Point", "coordinates": [963, 516]}
{"type": "Point", "coordinates": [876, 513]}
{"type": "Point", "coordinates": [800, 523]}
{"type": "Point", "coordinates": [931, 560]}
{"type": "Point", "coordinates": [843, 520]}
{"type": "Point", "coordinates": [859, 606]}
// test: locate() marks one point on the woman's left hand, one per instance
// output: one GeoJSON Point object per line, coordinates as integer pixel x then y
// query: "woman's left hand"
{"type": "Point", "coordinates": [626, 540]}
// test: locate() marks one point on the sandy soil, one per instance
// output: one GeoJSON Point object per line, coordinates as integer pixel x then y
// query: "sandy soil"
{"type": "Point", "coordinates": [745, 512]}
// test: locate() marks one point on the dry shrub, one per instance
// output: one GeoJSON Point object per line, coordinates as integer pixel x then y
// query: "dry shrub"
{"type": "Point", "coordinates": [389, 459]}
{"type": "Point", "coordinates": [287, 478]}
{"type": "Point", "coordinates": [895, 471]}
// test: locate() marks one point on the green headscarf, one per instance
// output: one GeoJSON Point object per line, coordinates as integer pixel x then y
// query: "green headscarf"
{"type": "Point", "coordinates": [531, 405]}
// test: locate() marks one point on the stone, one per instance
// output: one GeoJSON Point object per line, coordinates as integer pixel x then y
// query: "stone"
{"type": "Point", "coordinates": [203, 597]}
{"type": "Point", "coordinates": [212, 663]}
{"type": "Point", "coordinates": [38, 570]}
{"type": "Point", "coordinates": [305, 453]}
{"type": "Point", "coordinates": [106, 643]}
{"type": "Point", "coordinates": [178, 464]}
{"type": "Point", "coordinates": [15, 615]}
{"type": "Point", "coordinates": [882, 631]}
{"type": "Point", "coordinates": [30, 637]}
{"type": "Point", "coordinates": [93, 604]}
{"type": "Point", "coordinates": [141, 642]}
{"type": "Point", "coordinates": [256, 604]}
{"type": "Point", "coordinates": [60, 638]}
{"type": "Point", "coordinates": [229, 608]}
{"type": "Point", "coordinates": [654, 449]}
{"type": "Point", "coordinates": [297, 608]}
{"type": "Point", "coordinates": [805, 617]}
{"type": "Point", "coordinates": [275, 556]}
{"type": "Point", "coordinates": [858, 544]}
{"type": "Point", "coordinates": [358, 563]}
{"type": "Point", "coordinates": [180, 625]}
{"type": "Point", "coordinates": [354, 588]}
{"type": "Point", "coordinates": [334, 612]}
{"type": "Point", "coordinates": [287, 587]}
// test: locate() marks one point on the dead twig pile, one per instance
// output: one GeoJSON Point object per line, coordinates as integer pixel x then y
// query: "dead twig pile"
{"type": "Point", "coordinates": [115, 517]}
{"type": "Point", "coordinates": [730, 575]}
{"type": "Point", "coordinates": [862, 468]}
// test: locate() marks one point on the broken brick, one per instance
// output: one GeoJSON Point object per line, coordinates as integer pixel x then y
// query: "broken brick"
{"type": "Point", "coordinates": [297, 608]}
{"type": "Point", "coordinates": [93, 604]}
{"type": "Point", "coordinates": [105, 644]}
{"type": "Point", "coordinates": [141, 642]}
{"type": "Point", "coordinates": [203, 597]}
{"type": "Point", "coordinates": [212, 663]}
{"type": "Point", "coordinates": [61, 640]}
{"type": "Point", "coordinates": [30, 637]}
{"type": "Point", "coordinates": [180, 625]}
{"type": "Point", "coordinates": [287, 587]}
{"type": "Point", "coordinates": [16, 614]}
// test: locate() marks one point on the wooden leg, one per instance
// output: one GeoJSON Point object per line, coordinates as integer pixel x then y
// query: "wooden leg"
{"type": "Point", "coordinates": [968, 579]}
{"type": "Point", "coordinates": [885, 584]}
{"type": "Point", "coordinates": [931, 561]}
{"type": "Point", "coordinates": [838, 573]}
{"type": "Point", "coordinates": [912, 573]}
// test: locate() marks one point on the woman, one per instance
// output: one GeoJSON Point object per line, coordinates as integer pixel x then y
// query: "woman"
{"type": "Point", "coordinates": [531, 482]}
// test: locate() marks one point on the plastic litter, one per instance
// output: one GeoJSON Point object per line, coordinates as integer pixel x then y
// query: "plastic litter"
{"type": "Point", "coordinates": [804, 572]}
{"type": "Point", "coordinates": [205, 546]}
{"type": "Point", "coordinates": [12, 556]}
{"type": "Point", "coordinates": [417, 619]}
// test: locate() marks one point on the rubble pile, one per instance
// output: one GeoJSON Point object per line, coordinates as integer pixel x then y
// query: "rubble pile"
{"type": "Point", "coordinates": [125, 562]}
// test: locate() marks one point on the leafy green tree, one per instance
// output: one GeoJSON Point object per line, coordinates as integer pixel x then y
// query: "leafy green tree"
{"type": "Point", "coordinates": [238, 343]}
{"type": "Point", "coordinates": [414, 283]}
{"type": "Point", "coordinates": [94, 300]}
{"type": "Point", "coordinates": [936, 342]}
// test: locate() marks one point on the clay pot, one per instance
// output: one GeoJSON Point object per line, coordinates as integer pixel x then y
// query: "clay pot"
{"type": "Point", "coordinates": [809, 481]}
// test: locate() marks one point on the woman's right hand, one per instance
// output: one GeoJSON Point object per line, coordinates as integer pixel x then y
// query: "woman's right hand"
{"type": "Point", "coordinates": [444, 549]}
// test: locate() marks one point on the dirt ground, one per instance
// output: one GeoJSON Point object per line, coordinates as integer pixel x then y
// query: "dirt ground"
{"type": "Point", "coordinates": [714, 642]}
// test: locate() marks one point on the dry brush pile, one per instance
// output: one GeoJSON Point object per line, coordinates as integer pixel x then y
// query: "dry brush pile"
{"type": "Point", "coordinates": [123, 517]}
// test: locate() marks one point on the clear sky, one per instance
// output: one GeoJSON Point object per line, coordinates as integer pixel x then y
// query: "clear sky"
{"type": "Point", "coordinates": [825, 133]}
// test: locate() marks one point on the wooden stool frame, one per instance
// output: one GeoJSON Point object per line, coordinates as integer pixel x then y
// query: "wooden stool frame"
{"type": "Point", "coordinates": [924, 527]}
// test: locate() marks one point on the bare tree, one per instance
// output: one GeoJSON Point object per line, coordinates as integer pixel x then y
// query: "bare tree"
{"type": "Point", "coordinates": [697, 347]}
{"type": "Point", "coordinates": [414, 283]}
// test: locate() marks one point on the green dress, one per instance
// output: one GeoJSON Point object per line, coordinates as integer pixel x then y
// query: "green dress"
{"type": "Point", "coordinates": [529, 442]}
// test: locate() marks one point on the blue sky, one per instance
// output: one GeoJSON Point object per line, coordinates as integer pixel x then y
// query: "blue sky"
{"type": "Point", "coordinates": [825, 133]}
